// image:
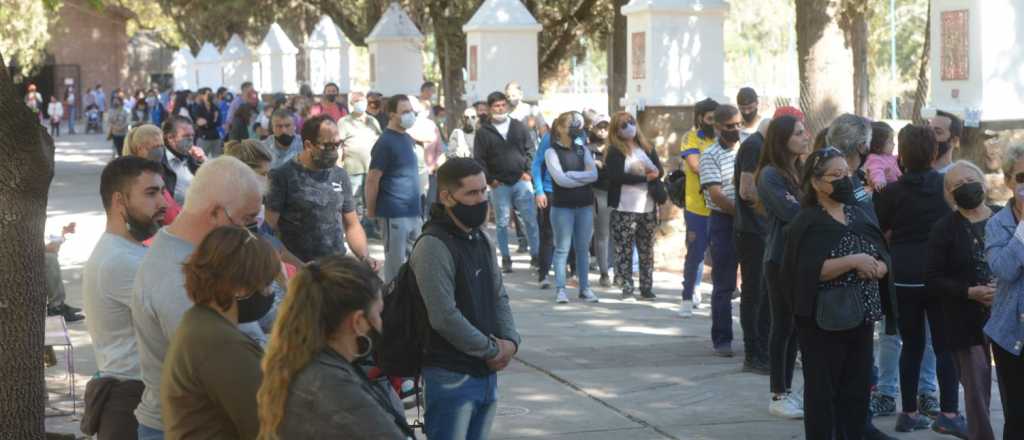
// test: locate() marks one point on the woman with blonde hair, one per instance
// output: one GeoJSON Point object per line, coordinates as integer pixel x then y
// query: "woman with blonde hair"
{"type": "Point", "coordinates": [312, 387]}
{"type": "Point", "coordinates": [631, 163]}
{"type": "Point", "coordinates": [147, 141]}
{"type": "Point", "coordinates": [573, 171]}
{"type": "Point", "coordinates": [252, 153]}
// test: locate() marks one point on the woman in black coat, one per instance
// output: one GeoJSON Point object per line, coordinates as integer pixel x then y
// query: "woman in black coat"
{"type": "Point", "coordinates": [959, 276]}
{"type": "Point", "coordinates": [835, 267]}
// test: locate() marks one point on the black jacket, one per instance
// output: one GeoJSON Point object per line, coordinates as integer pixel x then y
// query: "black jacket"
{"type": "Point", "coordinates": [615, 169]}
{"type": "Point", "coordinates": [909, 208]}
{"type": "Point", "coordinates": [504, 160]}
{"type": "Point", "coordinates": [208, 131]}
{"type": "Point", "coordinates": [950, 273]}
{"type": "Point", "coordinates": [810, 236]}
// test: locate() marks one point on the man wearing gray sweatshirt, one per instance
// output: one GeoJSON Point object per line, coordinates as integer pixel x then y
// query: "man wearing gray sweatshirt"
{"type": "Point", "coordinates": [473, 333]}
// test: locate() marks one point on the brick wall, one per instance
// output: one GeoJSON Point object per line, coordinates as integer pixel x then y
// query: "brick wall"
{"type": "Point", "coordinates": [93, 39]}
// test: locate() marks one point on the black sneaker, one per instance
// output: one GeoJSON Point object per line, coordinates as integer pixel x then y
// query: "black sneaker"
{"type": "Point", "coordinates": [756, 365]}
{"type": "Point", "coordinates": [54, 311]}
{"type": "Point", "coordinates": [605, 281]}
{"type": "Point", "coordinates": [908, 423]}
{"type": "Point", "coordinates": [882, 405]}
{"type": "Point", "coordinates": [534, 263]}
{"type": "Point", "coordinates": [506, 264]}
{"type": "Point", "coordinates": [928, 404]}
{"type": "Point", "coordinates": [68, 309]}
{"type": "Point", "coordinates": [648, 296]}
{"type": "Point", "coordinates": [72, 317]}
{"type": "Point", "coordinates": [956, 426]}
{"type": "Point", "coordinates": [626, 296]}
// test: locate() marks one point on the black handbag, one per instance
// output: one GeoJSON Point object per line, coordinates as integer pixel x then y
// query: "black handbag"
{"type": "Point", "coordinates": [658, 191]}
{"type": "Point", "coordinates": [839, 309]}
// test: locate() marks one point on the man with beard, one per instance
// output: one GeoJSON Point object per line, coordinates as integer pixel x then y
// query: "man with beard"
{"type": "Point", "coordinates": [948, 128]}
{"type": "Point", "coordinates": [310, 203]}
{"type": "Point", "coordinates": [131, 188]}
{"type": "Point", "coordinates": [746, 100]}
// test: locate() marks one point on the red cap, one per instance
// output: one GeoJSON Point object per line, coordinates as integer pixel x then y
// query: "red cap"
{"type": "Point", "coordinates": [789, 111]}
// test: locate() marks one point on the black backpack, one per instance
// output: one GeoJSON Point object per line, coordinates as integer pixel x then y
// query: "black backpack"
{"type": "Point", "coordinates": [406, 333]}
{"type": "Point", "coordinates": [676, 185]}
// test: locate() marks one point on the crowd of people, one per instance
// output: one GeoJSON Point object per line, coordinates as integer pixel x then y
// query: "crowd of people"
{"type": "Point", "coordinates": [233, 294]}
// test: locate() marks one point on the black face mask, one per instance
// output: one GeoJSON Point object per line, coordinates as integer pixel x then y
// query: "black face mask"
{"type": "Point", "coordinates": [708, 129]}
{"type": "Point", "coordinates": [140, 230]}
{"type": "Point", "coordinates": [471, 216]}
{"type": "Point", "coordinates": [730, 137]}
{"type": "Point", "coordinates": [842, 191]}
{"type": "Point", "coordinates": [749, 117]}
{"type": "Point", "coordinates": [284, 139]}
{"type": "Point", "coordinates": [254, 307]}
{"type": "Point", "coordinates": [326, 159]}
{"type": "Point", "coordinates": [969, 195]}
{"type": "Point", "coordinates": [331, 98]}
{"type": "Point", "coordinates": [254, 228]}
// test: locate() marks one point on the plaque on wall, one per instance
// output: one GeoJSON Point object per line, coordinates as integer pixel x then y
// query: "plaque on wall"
{"type": "Point", "coordinates": [472, 62]}
{"type": "Point", "coordinates": [639, 48]}
{"type": "Point", "coordinates": [955, 47]}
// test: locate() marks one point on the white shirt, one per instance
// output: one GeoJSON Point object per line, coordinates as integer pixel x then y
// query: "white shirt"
{"type": "Point", "coordinates": [634, 197]}
{"type": "Point", "coordinates": [107, 281]}
{"type": "Point", "coordinates": [502, 127]}
{"type": "Point", "coordinates": [180, 168]}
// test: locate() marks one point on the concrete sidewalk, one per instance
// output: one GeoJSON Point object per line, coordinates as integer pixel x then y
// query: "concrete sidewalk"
{"type": "Point", "coordinates": [613, 370]}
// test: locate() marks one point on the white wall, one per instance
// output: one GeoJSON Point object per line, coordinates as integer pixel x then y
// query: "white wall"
{"type": "Point", "coordinates": [503, 57]}
{"type": "Point", "coordinates": [398, 66]}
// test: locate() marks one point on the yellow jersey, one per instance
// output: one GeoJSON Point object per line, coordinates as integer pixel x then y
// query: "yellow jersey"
{"type": "Point", "coordinates": [694, 144]}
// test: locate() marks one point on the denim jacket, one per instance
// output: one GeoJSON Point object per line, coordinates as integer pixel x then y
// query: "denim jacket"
{"type": "Point", "coordinates": [1004, 250]}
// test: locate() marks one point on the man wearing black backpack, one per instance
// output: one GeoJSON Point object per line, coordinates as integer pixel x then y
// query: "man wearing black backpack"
{"type": "Point", "coordinates": [473, 334]}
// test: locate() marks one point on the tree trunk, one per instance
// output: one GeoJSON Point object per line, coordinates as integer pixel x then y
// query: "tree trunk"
{"type": "Point", "coordinates": [823, 57]}
{"type": "Point", "coordinates": [921, 94]}
{"type": "Point", "coordinates": [451, 55]}
{"type": "Point", "coordinates": [857, 40]}
{"type": "Point", "coordinates": [25, 176]}
{"type": "Point", "coordinates": [617, 58]}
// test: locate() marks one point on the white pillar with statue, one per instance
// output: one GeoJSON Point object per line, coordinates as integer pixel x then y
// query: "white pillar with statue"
{"type": "Point", "coordinates": [327, 56]}
{"type": "Point", "coordinates": [208, 71]}
{"type": "Point", "coordinates": [277, 64]}
{"type": "Point", "coordinates": [501, 46]}
{"type": "Point", "coordinates": [236, 63]}
{"type": "Point", "coordinates": [396, 54]}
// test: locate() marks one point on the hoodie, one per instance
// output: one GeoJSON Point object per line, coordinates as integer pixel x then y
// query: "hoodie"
{"type": "Point", "coordinates": [907, 209]}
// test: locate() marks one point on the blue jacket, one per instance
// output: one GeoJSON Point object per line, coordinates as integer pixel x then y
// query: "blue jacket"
{"type": "Point", "coordinates": [539, 171]}
{"type": "Point", "coordinates": [1004, 250]}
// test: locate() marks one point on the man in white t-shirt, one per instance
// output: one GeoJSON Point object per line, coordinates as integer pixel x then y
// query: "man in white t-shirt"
{"type": "Point", "coordinates": [717, 166]}
{"type": "Point", "coordinates": [747, 102]}
{"type": "Point", "coordinates": [132, 192]}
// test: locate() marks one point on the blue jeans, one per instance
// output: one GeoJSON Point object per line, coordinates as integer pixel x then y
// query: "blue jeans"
{"type": "Point", "coordinates": [572, 227]}
{"type": "Point", "coordinates": [358, 182]}
{"type": "Point", "coordinates": [724, 263]}
{"type": "Point", "coordinates": [458, 406]}
{"type": "Point", "coordinates": [889, 347]}
{"type": "Point", "coordinates": [147, 433]}
{"type": "Point", "coordinates": [72, 115]}
{"type": "Point", "coordinates": [521, 196]}
{"type": "Point", "coordinates": [398, 235]}
{"type": "Point", "coordinates": [696, 245]}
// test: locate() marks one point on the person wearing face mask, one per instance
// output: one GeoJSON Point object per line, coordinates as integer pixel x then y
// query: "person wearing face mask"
{"type": "Point", "coordinates": [851, 134]}
{"type": "Point", "coordinates": [360, 132]}
{"type": "Point", "coordinates": [118, 121]}
{"type": "Point", "coordinates": [473, 334]}
{"type": "Point", "coordinates": [837, 265]}
{"type": "Point", "coordinates": [907, 210]}
{"type": "Point", "coordinates": [717, 166]}
{"type": "Point", "coordinates": [284, 145]}
{"type": "Point", "coordinates": [948, 130]}
{"type": "Point", "coordinates": [502, 145]}
{"type": "Point", "coordinates": [519, 109]}
{"type": "Point", "coordinates": [181, 156]}
{"type": "Point", "coordinates": [331, 104]}
{"type": "Point", "coordinates": [461, 140]}
{"type": "Point", "coordinates": [960, 276]}
{"type": "Point", "coordinates": [328, 327]}
{"type": "Point", "coordinates": [310, 203]}
{"type": "Point", "coordinates": [146, 141]}
{"type": "Point", "coordinates": [746, 101]}
{"type": "Point", "coordinates": [226, 193]}
{"type": "Point", "coordinates": [393, 186]}
{"type": "Point", "coordinates": [696, 212]}
{"type": "Point", "coordinates": [212, 370]}
{"type": "Point", "coordinates": [131, 189]}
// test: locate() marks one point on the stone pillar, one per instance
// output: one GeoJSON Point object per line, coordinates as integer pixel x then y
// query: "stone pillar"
{"type": "Point", "coordinates": [501, 46]}
{"type": "Point", "coordinates": [327, 56]}
{"type": "Point", "coordinates": [396, 54]}
{"type": "Point", "coordinates": [277, 62]}
{"type": "Point", "coordinates": [236, 63]}
{"type": "Point", "coordinates": [208, 69]}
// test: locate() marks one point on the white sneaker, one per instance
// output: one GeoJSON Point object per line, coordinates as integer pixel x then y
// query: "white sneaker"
{"type": "Point", "coordinates": [797, 398]}
{"type": "Point", "coordinates": [685, 309]}
{"type": "Point", "coordinates": [785, 408]}
{"type": "Point", "coordinates": [588, 296]}
{"type": "Point", "coordinates": [562, 298]}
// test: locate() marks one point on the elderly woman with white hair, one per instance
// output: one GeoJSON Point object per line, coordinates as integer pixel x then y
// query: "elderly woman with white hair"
{"type": "Point", "coordinates": [851, 135]}
{"type": "Point", "coordinates": [1004, 251]}
{"type": "Point", "coordinates": [959, 275]}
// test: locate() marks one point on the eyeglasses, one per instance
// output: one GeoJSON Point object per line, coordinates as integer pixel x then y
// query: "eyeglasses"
{"type": "Point", "coordinates": [330, 146]}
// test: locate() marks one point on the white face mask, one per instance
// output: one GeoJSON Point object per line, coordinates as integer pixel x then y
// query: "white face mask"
{"type": "Point", "coordinates": [499, 117]}
{"type": "Point", "coordinates": [359, 107]}
{"type": "Point", "coordinates": [408, 120]}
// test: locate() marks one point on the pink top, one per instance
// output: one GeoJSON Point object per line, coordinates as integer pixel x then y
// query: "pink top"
{"type": "Point", "coordinates": [882, 169]}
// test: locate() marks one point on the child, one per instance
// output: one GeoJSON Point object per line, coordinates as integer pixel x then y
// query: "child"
{"type": "Point", "coordinates": [881, 163]}
{"type": "Point", "coordinates": [56, 112]}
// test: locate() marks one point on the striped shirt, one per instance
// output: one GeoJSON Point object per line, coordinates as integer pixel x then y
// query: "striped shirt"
{"type": "Point", "coordinates": [717, 166]}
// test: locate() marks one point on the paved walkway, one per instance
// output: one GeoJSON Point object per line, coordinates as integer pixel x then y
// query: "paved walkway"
{"type": "Point", "coordinates": [614, 370]}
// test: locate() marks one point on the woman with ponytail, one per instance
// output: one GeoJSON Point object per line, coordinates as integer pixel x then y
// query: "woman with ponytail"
{"type": "Point", "coordinates": [312, 387]}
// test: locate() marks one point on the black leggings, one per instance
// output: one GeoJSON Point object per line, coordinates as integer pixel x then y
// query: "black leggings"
{"type": "Point", "coordinates": [914, 305]}
{"type": "Point", "coordinates": [782, 342]}
{"type": "Point", "coordinates": [1010, 370]}
{"type": "Point", "coordinates": [837, 380]}
{"type": "Point", "coordinates": [754, 315]}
